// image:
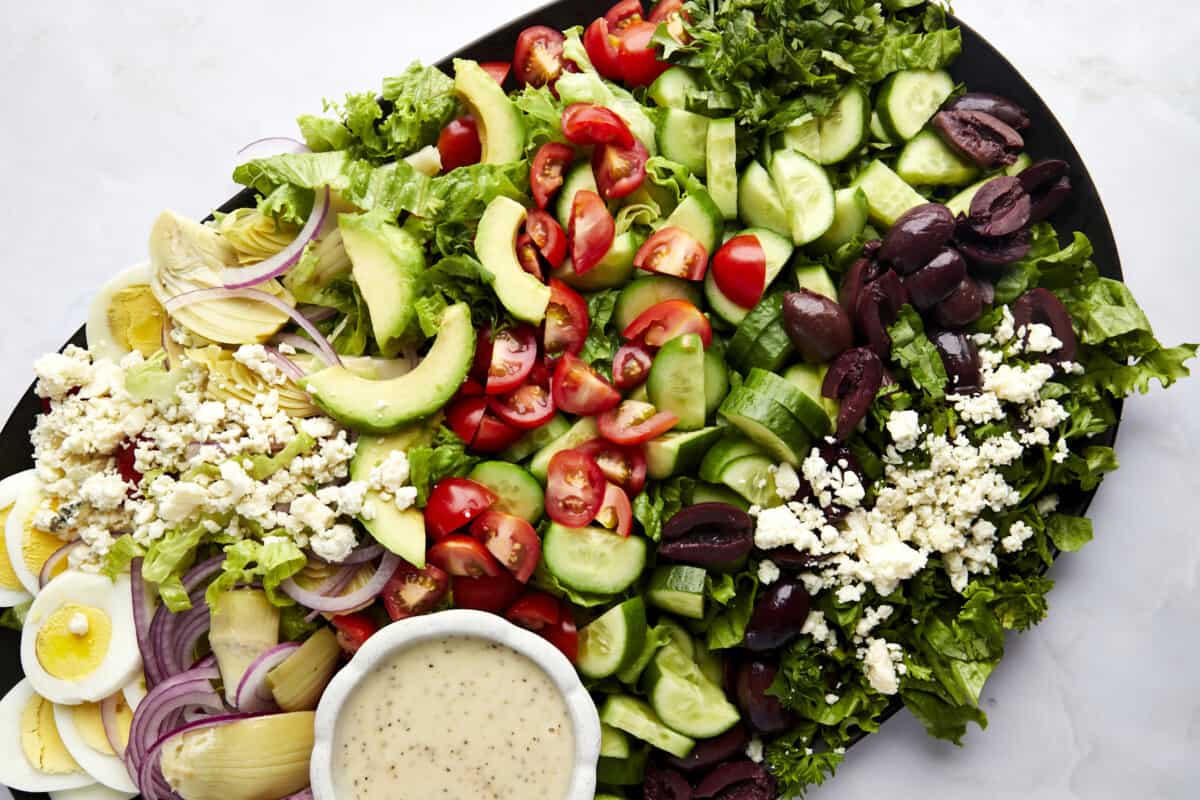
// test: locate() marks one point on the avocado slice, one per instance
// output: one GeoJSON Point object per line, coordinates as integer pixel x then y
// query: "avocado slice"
{"type": "Point", "coordinates": [386, 262]}
{"type": "Point", "coordinates": [383, 406]}
{"type": "Point", "coordinates": [523, 295]}
{"type": "Point", "coordinates": [501, 130]}
{"type": "Point", "coordinates": [401, 532]}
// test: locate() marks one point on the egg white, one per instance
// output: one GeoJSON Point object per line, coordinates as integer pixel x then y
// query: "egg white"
{"type": "Point", "coordinates": [135, 692]}
{"type": "Point", "coordinates": [97, 791]}
{"type": "Point", "coordinates": [15, 770]}
{"type": "Point", "coordinates": [100, 337]}
{"type": "Point", "coordinates": [106, 769]}
{"type": "Point", "coordinates": [11, 490]}
{"type": "Point", "coordinates": [120, 665]}
{"type": "Point", "coordinates": [14, 532]}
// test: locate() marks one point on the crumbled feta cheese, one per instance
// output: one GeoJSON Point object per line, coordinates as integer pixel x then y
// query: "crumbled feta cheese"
{"type": "Point", "coordinates": [181, 501]}
{"type": "Point", "coordinates": [1047, 504]}
{"type": "Point", "coordinates": [334, 544]}
{"type": "Point", "coordinates": [787, 482]}
{"type": "Point", "coordinates": [831, 699]}
{"type": "Point", "coordinates": [312, 513]}
{"type": "Point", "coordinates": [1038, 338]}
{"type": "Point", "coordinates": [391, 474]}
{"type": "Point", "coordinates": [768, 572]}
{"type": "Point", "coordinates": [851, 593]}
{"type": "Point", "coordinates": [904, 427]}
{"type": "Point", "coordinates": [106, 491]}
{"type": "Point", "coordinates": [754, 750]}
{"type": "Point", "coordinates": [1061, 451]}
{"type": "Point", "coordinates": [1006, 329]}
{"type": "Point", "coordinates": [879, 665]}
{"type": "Point", "coordinates": [979, 408]}
{"type": "Point", "coordinates": [1018, 534]}
{"type": "Point", "coordinates": [255, 358]}
{"type": "Point", "coordinates": [871, 619]}
{"type": "Point", "coordinates": [816, 626]}
{"type": "Point", "coordinates": [1015, 384]}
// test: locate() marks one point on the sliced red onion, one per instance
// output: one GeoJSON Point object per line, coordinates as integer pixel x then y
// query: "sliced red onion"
{"type": "Point", "coordinates": [149, 777]}
{"type": "Point", "coordinates": [304, 794]}
{"type": "Point", "coordinates": [285, 259]}
{"type": "Point", "coordinates": [333, 586]}
{"type": "Point", "coordinates": [141, 625]}
{"type": "Point", "coordinates": [285, 364]}
{"type": "Point", "coordinates": [337, 605]}
{"type": "Point", "coordinates": [112, 728]}
{"type": "Point", "coordinates": [54, 560]}
{"type": "Point", "coordinates": [302, 344]}
{"type": "Point", "coordinates": [315, 313]}
{"type": "Point", "coordinates": [162, 709]}
{"type": "Point", "coordinates": [253, 694]}
{"type": "Point", "coordinates": [272, 145]}
{"type": "Point", "coordinates": [188, 632]}
{"type": "Point", "coordinates": [186, 299]}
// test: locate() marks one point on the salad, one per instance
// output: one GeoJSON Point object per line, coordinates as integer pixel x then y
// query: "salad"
{"type": "Point", "coordinates": [729, 347]}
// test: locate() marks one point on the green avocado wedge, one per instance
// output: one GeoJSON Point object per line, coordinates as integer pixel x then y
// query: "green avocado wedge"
{"type": "Point", "coordinates": [371, 406]}
{"type": "Point", "coordinates": [387, 262]}
{"type": "Point", "coordinates": [501, 129]}
{"type": "Point", "coordinates": [525, 297]}
{"type": "Point", "coordinates": [400, 531]}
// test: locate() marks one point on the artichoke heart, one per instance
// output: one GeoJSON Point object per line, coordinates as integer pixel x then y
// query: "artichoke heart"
{"type": "Point", "coordinates": [244, 626]}
{"type": "Point", "coordinates": [229, 379]}
{"type": "Point", "coordinates": [254, 236]}
{"type": "Point", "coordinates": [298, 681]}
{"type": "Point", "coordinates": [261, 758]}
{"type": "Point", "coordinates": [185, 255]}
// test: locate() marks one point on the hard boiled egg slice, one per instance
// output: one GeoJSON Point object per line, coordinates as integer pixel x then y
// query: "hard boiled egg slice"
{"type": "Point", "coordinates": [82, 730]}
{"type": "Point", "coordinates": [97, 791]}
{"type": "Point", "coordinates": [79, 644]}
{"type": "Point", "coordinates": [12, 589]}
{"type": "Point", "coordinates": [29, 548]}
{"type": "Point", "coordinates": [125, 316]}
{"type": "Point", "coordinates": [35, 760]}
{"type": "Point", "coordinates": [135, 692]}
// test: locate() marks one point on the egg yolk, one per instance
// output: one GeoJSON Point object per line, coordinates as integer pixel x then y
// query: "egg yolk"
{"type": "Point", "coordinates": [37, 546]}
{"type": "Point", "coordinates": [135, 319]}
{"type": "Point", "coordinates": [43, 747]}
{"type": "Point", "coordinates": [8, 576]}
{"type": "Point", "coordinates": [69, 650]}
{"type": "Point", "coordinates": [90, 724]}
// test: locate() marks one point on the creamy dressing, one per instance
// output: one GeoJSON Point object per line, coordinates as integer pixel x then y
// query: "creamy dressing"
{"type": "Point", "coordinates": [457, 718]}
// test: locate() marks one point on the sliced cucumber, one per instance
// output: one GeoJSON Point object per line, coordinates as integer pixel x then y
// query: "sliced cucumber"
{"type": "Point", "coordinates": [711, 665]}
{"type": "Point", "coordinates": [536, 439]}
{"type": "Point", "coordinates": [716, 380]}
{"type": "Point", "coordinates": [850, 212]}
{"type": "Point", "coordinates": [614, 743]}
{"type": "Point", "coordinates": [678, 452]}
{"type": "Point", "coordinates": [759, 204]}
{"type": "Point", "coordinates": [753, 477]}
{"type": "Point", "coordinates": [650, 290]}
{"type": "Point", "coordinates": [908, 100]}
{"type": "Point", "coordinates": [771, 350]}
{"type": "Point", "coordinates": [806, 193]}
{"type": "Point", "coordinates": [777, 248]}
{"type": "Point", "coordinates": [582, 431]}
{"type": "Point", "coordinates": [612, 641]}
{"type": "Point", "coordinates": [676, 380]}
{"type": "Point", "coordinates": [593, 559]}
{"type": "Point", "coordinates": [768, 311]}
{"type": "Point", "coordinates": [835, 136]}
{"type": "Point", "coordinates": [809, 378]}
{"type": "Point", "coordinates": [656, 637]}
{"type": "Point", "coordinates": [927, 161]}
{"type": "Point", "coordinates": [698, 215]}
{"type": "Point", "coordinates": [577, 178]}
{"type": "Point", "coordinates": [670, 90]}
{"type": "Point", "coordinates": [678, 589]}
{"type": "Point", "coordinates": [677, 636]}
{"type": "Point", "coordinates": [517, 492]}
{"type": "Point", "coordinates": [803, 407]}
{"type": "Point", "coordinates": [682, 137]}
{"type": "Point", "coordinates": [888, 196]}
{"type": "Point", "coordinates": [684, 699]}
{"type": "Point", "coordinates": [724, 309]}
{"type": "Point", "coordinates": [815, 278]}
{"type": "Point", "coordinates": [638, 719]}
{"type": "Point", "coordinates": [878, 134]}
{"type": "Point", "coordinates": [729, 448]}
{"type": "Point", "coordinates": [711, 493]}
{"type": "Point", "coordinates": [961, 202]}
{"type": "Point", "coordinates": [768, 423]}
{"type": "Point", "coordinates": [614, 270]}
{"type": "Point", "coordinates": [628, 771]}
{"type": "Point", "coordinates": [721, 157]}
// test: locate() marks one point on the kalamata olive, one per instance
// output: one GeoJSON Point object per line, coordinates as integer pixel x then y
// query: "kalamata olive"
{"type": "Point", "coordinates": [1042, 306]}
{"type": "Point", "coordinates": [999, 107]}
{"type": "Point", "coordinates": [763, 711]}
{"type": "Point", "coordinates": [961, 360]}
{"type": "Point", "coordinates": [861, 272]}
{"type": "Point", "coordinates": [817, 326]}
{"type": "Point", "coordinates": [711, 535]}
{"type": "Point", "coordinates": [980, 137]}
{"type": "Point", "coordinates": [1049, 184]}
{"type": "Point", "coordinates": [1000, 207]}
{"type": "Point", "coordinates": [853, 379]}
{"type": "Point", "coordinates": [878, 306]}
{"type": "Point", "coordinates": [937, 279]}
{"type": "Point", "coordinates": [737, 780]}
{"type": "Point", "coordinates": [791, 559]}
{"type": "Point", "coordinates": [962, 307]}
{"type": "Point", "coordinates": [665, 784]}
{"type": "Point", "coordinates": [986, 251]}
{"type": "Point", "coordinates": [708, 753]}
{"type": "Point", "coordinates": [778, 616]}
{"type": "Point", "coordinates": [917, 237]}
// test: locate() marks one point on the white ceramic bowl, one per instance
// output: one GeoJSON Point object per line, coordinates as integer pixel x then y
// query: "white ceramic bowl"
{"type": "Point", "coordinates": [399, 635]}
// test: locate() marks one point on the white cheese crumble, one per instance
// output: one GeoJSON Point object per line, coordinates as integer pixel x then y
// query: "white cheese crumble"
{"type": "Point", "coordinates": [768, 572]}
{"type": "Point", "coordinates": [255, 358]}
{"type": "Point", "coordinates": [904, 427]}
{"type": "Point", "coordinates": [1018, 534]}
{"type": "Point", "coordinates": [787, 482]}
{"type": "Point", "coordinates": [754, 750]}
{"type": "Point", "coordinates": [1038, 338]}
{"type": "Point", "coordinates": [881, 660]}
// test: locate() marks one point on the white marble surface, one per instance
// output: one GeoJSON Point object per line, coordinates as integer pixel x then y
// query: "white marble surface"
{"type": "Point", "coordinates": [116, 110]}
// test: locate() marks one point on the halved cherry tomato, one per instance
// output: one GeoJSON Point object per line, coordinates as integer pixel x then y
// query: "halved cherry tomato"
{"type": "Point", "coordinates": [453, 503]}
{"type": "Point", "coordinates": [740, 270]}
{"type": "Point", "coordinates": [624, 466]}
{"type": "Point", "coordinates": [478, 427]}
{"type": "Point", "coordinates": [567, 321]}
{"type": "Point", "coordinates": [353, 630]}
{"type": "Point", "coordinates": [638, 57]}
{"type": "Point", "coordinates": [564, 636]}
{"type": "Point", "coordinates": [512, 540]}
{"type": "Point", "coordinates": [603, 49]}
{"type": "Point", "coordinates": [671, 12]}
{"type": "Point", "coordinates": [588, 123]}
{"type": "Point", "coordinates": [494, 434]}
{"type": "Point", "coordinates": [465, 415]}
{"type": "Point", "coordinates": [459, 144]}
{"type": "Point", "coordinates": [528, 256]}
{"type": "Point", "coordinates": [487, 593]}
{"type": "Point", "coordinates": [535, 611]}
{"type": "Point", "coordinates": [592, 231]}
{"type": "Point", "coordinates": [470, 388]}
{"type": "Point", "coordinates": [483, 355]}
{"type": "Point", "coordinates": [615, 513]}
{"type": "Point", "coordinates": [631, 366]}
{"type": "Point", "coordinates": [413, 591]}
{"type": "Point", "coordinates": [546, 173]}
{"type": "Point", "coordinates": [634, 422]}
{"type": "Point", "coordinates": [619, 170]}
{"type": "Point", "coordinates": [499, 69]}
{"type": "Point", "coordinates": [548, 235]}
{"type": "Point", "coordinates": [675, 252]}
{"type": "Point", "coordinates": [463, 557]}
{"type": "Point", "coordinates": [538, 58]}
{"type": "Point", "coordinates": [574, 488]}
{"type": "Point", "coordinates": [662, 322]}
{"type": "Point", "coordinates": [514, 352]}
{"type": "Point", "coordinates": [623, 14]}
{"type": "Point", "coordinates": [579, 389]}
{"type": "Point", "coordinates": [527, 407]}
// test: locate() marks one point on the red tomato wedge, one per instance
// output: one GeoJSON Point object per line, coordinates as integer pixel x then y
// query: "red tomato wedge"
{"type": "Point", "coordinates": [494, 434]}
{"type": "Point", "coordinates": [619, 171]}
{"type": "Point", "coordinates": [546, 172]}
{"type": "Point", "coordinates": [463, 557]}
{"type": "Point", "coordinates": [587, 123]}
{"type": "Point", "coordinates": [624, 466]}
{"type": "Point", "coordinates": [458, 144]}
{"type": "Point", "coordinates": [529, 257]}
{"type": "Point", "coordinates": [623, 14]}
{"type": "Point", "coordinates": [574, 488]}
{"type": "Point", "coordinates": [472, 421]}
{"type": "Point", "coordinates": [592, 230]}
{"type": "Point", "coordinates": [662, 322]}
{"type": "Point", "coordinates": [514, 352]}
{"type": "Point", "coordinates": [579, 389]}
{"type": "Point", "coordinates": [740, 270]}
{"type": "Point", "coordinates": [564, 636]}
{"type": "Point", "coordinates": [615, 514]}
{"type": "Point", "coordinates": [487, 593]}
{"type": "Point", "coordinates": [638, 57]}
{"type": "Point", "coordinates": [353, 630]}
{"type": "Point", "coordinates": [548, 235]}
{"type": "Point", "coordinates": [453, 503]}
{"type": "Point", "coordinates": [603, 49]}
{"type": "Point", "coordinates": [527, 407]}
{"type": "Point", "coordinates": [465, 415]}
{"type": "Point", "coordinates": [538, 58]}
{"type": "Point", "coordinates": [671, 12]}
{"type": "Point", "coordinates": [675, 252]}
{"type": "Point", "coordinates": [413, 591]}
{"type": "Point", "coordinates": [634, 422]}
{"type": "Point", "coordinates": [566, 326]}
{"type": "Point", "coordinates": [631, 366]}
{"type": "Point", "coordinates": [511, 540]}
{"type": "Point", "coordinates": [535, 611]}
{"type": "Point", "coordinates": [497, 69]}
